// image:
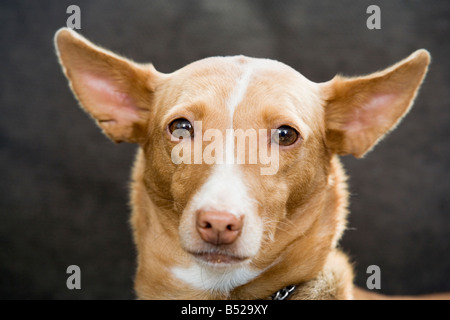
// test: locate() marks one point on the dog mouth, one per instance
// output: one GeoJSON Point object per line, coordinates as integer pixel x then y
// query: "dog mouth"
{"type": "Point", "coordinates": [217, 258]}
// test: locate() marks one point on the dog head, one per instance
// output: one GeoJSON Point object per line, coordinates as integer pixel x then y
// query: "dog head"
{"type": "Point", "coordinates": [237, 153]}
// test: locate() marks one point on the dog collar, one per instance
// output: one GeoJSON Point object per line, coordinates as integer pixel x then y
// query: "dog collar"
{"type": "Point", "coordinates": [283, 294]}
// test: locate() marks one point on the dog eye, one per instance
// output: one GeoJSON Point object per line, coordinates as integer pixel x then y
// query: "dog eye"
{"type": "Point", "coordinates": [285, 136]}
{"type": "Point", "coordinates": [181, 128]}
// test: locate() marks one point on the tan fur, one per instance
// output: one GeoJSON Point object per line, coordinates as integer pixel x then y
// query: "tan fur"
{"type": "Point", "coordinates": [303, 207]}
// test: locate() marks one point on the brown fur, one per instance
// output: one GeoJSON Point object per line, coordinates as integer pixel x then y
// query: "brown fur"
{"type": "Point", "coordinates": [303, 207]}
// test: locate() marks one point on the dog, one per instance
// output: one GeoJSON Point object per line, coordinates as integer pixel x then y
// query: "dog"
{"type": "Point", "coordinates": [224, 230]}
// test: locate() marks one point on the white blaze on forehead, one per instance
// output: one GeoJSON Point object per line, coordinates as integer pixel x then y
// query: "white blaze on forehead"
{"type": "Point", "coordinates": [225, 189]}
{"type": "Point", "coordinates": [235, 98]}
{"type": "Point", "coordinates": [238, 93]}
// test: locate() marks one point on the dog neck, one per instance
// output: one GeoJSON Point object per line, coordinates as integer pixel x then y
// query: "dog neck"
{"type": "Point", "coordinates": [166, 271]}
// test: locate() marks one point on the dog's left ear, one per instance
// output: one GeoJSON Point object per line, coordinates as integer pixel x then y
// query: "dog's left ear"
{"type": "Point", "coordinates": [360, 111]}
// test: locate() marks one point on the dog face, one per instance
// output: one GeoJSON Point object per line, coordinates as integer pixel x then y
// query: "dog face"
{"type": "Point", "coordinates": [226, 211]}
{"type": "Point", "coordinates": [230, 209]}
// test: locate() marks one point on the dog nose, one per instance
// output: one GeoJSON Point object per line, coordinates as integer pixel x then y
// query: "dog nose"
{"type": "Point", "coordinates": [218, 227]}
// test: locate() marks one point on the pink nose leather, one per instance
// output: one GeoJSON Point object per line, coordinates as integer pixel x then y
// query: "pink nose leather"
{"type": "Point", "coordinates": [217, 227]}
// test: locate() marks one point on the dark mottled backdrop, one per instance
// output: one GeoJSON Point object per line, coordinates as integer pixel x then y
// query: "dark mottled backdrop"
{"type": "Point", "coordinates": [63, 185]}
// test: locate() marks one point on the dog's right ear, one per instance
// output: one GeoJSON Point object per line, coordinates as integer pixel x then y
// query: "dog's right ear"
{"type": "Point", "coordinates": [115, 91]}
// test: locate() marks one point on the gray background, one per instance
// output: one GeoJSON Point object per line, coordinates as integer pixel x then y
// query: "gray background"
{"type": "Point", "coordinates": [63, 185]}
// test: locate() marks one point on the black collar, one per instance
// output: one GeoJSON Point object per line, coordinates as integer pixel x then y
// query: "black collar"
{"type": "Point", "coordinates": [283, 294]}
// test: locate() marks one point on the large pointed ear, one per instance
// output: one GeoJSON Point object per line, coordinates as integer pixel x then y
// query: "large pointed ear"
{"type": "Point", "coordinates": [360, 111]}
{"type": "Point", "coordinates": [116, 92]}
